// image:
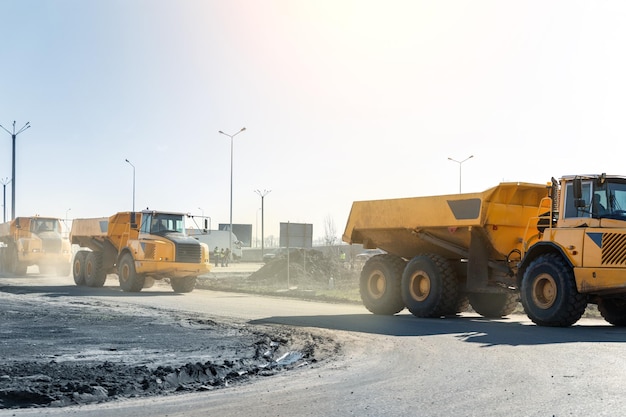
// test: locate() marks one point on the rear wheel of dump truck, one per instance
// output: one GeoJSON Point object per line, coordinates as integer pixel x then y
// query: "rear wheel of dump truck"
{"type": "Point", "coordinates": [130, 281]}
{"type": "Point", "coordinates": [430, 287]}
{"type": "Point", "coordinates": [493, 305]}
{"type": "Point", "coordinates": [613, 310]}
{"type": "Point", "coordinates": [549, 293]}
{"type": "Point", "coordinates": [185, 284]}
{"type": "Point", "coordinates": [94, 274]}
{"type": "Point", "coordinates": [380, 284]}
{"type": "Point", "coordinates": [78, 267]}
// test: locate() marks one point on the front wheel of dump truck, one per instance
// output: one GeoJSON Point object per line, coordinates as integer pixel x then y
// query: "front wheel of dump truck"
{"type": "Point", "coordinates": [430, 287]}
{"type": "Point", "coordinates": [493, 305]}
{"type": "Point", "coordinates": [18, 268]}
{"type": "Point", "coordinates": [613, 310]}
{"type": "Point", "coordinates": [549, 293]}
{"type": "Point", "coordinates": [380, 284]}
{"type": "Point", "coordinates": [94, 274]}
{"type": "Point", "coordinates": [78, 267]}
{"type": "Point", "coordinates": [130, 281]}
{"type": "Point", "coordinates": [185, 284]}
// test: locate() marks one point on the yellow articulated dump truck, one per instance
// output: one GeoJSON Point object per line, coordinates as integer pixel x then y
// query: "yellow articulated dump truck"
{"type": "Point", "coordinates": [555, 247]}
{"type": "Point", "coordinates": [34, 241]}
{"type": "Point", "coordinates": [139, 247]}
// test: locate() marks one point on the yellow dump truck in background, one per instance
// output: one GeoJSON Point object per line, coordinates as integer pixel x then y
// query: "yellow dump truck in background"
{"type": "Point", "coordinates": [557, 247]}
{"type": "Point", "coordinates": [139, 248]}
{"type": "Point", "coordinates": [34, 241]}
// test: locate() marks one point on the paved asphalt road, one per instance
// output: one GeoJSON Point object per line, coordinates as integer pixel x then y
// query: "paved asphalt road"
{"type": "Point", "coordinates": [389, 366]}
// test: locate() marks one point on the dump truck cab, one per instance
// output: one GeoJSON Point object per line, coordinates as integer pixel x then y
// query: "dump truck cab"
{"type": "Point", "coordinates": [589, 233]}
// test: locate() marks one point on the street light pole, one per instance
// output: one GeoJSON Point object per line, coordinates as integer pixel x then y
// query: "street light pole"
{"type": "Point", "coordinates": [133, 182]}
{"type": "Point", "coordinates": [262, 194]}
{"type": "Point", "coordinates": [13, 136]}
{"type": "Point", "coordinates": [460, 163]}
{"type": "Point", "coordinates": [66, 225]}
{"type": "Point", "coordinates": [230, 235]}
{"type": "Point", "coordinates": [4, 182]}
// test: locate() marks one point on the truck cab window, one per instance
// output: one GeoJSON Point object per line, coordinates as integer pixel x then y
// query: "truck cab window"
{"type": "Point", "coordinates": [570, 208]}
{"type": "Point", "coordinates": [146, 221]}
{"type": "Point", "coordinates": [47, 225]}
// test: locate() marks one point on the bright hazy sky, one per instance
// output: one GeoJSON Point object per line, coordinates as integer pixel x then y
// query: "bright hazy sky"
{"type": "Point", "coordinates": [341, 100]}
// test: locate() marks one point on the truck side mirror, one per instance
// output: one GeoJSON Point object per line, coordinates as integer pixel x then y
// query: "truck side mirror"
{"type": "Point", "coordinates": [206, 225]}
{"type": "Point", "coordinates": [133, 220]}
{"type": "Point", "coordinates": [579, 202]}
{"type": "Point", "coordinates": [578, 188]}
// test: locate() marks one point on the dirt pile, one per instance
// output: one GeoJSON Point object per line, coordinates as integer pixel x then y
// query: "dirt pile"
{"type": "Point", "coordinates": [28, 384]}
{"type": "Point", "coordinates": [302, 267]}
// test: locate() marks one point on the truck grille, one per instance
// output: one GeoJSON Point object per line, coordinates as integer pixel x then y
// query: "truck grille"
{"type": "Point", "coordinates": [51, 245]}
{"type": "Point", "coordinates": [186, 252]}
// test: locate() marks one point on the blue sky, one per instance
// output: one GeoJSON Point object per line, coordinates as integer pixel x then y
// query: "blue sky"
{"type": "Point", "coordinates": [341, 100]}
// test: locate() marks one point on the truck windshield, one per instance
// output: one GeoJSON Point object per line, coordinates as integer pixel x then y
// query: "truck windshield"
{"type": "Point", "coordinates": [161, 223]}
{"type": "Point", "coordinates": [44, 225]}
{"type": "Point", "coordinates": [609, 200]}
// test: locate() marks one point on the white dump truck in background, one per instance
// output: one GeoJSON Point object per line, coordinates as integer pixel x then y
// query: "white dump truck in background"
{"type": "Point", "coordinates": [219, 239]}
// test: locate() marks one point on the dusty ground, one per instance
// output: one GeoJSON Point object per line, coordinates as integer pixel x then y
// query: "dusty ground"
{"type": "Point", "coordinates": [57, 351]}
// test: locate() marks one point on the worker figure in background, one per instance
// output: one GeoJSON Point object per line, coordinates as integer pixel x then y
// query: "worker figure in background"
{"type": "Point", "coordinates": [216, 255]}
{"type": "Point", "coordinates": [226, 256]}
{"type": "Point", "coordinates": [222, 256]}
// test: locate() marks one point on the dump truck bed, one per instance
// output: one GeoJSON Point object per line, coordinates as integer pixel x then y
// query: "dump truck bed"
{"type": "Point", "coordinates": [501, 214]}
{"type": "Point", "coordinates": [89, 232]}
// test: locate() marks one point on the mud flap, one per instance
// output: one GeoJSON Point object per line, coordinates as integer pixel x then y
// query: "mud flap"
{"type": "Point", "coordinates": [478, 262]}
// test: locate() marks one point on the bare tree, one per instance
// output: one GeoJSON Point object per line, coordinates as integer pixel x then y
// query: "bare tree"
{"type": "Point", "coordinates": [330, 236]}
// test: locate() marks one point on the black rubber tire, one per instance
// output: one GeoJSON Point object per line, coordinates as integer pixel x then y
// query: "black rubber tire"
{"type": "Point", "coordinates": [493, 305]}
{"type": "Point", "coordinates": [185, 284]}
{"type": "Point", "coordinates": [549, 293]}
{"type": "Point", "coordinates": [9, 259]}
{"type": "Point", "coordinates": [430, 287]}
{"type": "Point", "coordinates": [379, 284]}
{"type": "Point", "coordinates": [94, 274]}
{"type": "Point", "coordinates": [613, 310]}
{"type": "Point", "coordinates": [19, 268]}
{"type": "Point", "coordinates": [78, 267]}
{"type": "Point", "coordinates": [130, 280]}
